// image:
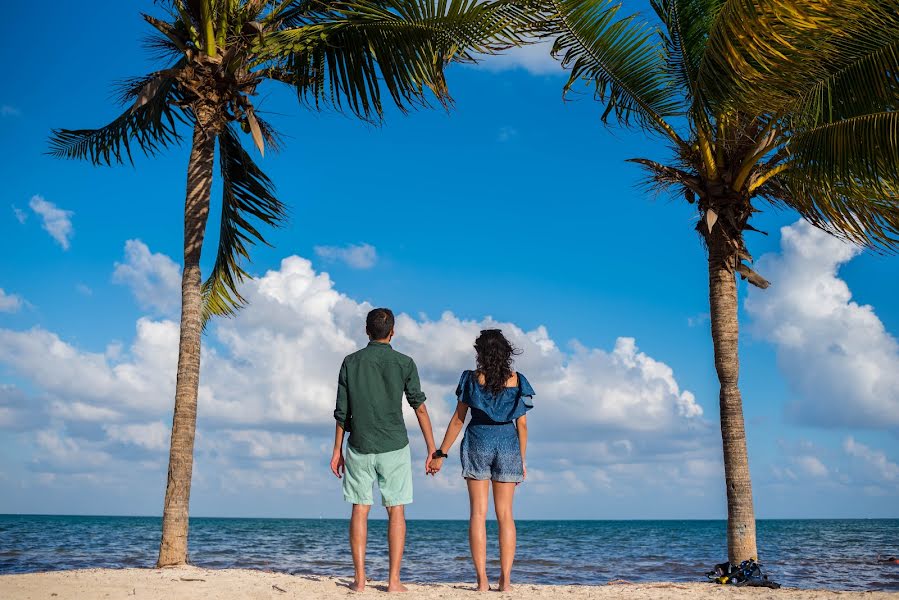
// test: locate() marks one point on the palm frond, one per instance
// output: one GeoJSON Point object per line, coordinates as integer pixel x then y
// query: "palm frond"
{"type": "Point", "coordinates": [151, 126]}
{"type": "Point", "coordinates": [248, 199]}
{"type": "Point", "coordinates": [622, 58]}
{"type": "Point", "coordinates": [863, 150]}
{"type": "Point", "coordinates": [851, 211]}
{"type": "Point", "coordinates": [687, 23]}
{"type": "Point", "coordinates": [343, 55]}
{"type": "Point", "coordinates": [765, 53]}
{"type": "Point", "coordinates": [859, 83]}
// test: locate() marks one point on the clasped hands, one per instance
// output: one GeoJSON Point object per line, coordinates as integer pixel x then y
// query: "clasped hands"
{"type": "Point", "coordinates": [433, 465]}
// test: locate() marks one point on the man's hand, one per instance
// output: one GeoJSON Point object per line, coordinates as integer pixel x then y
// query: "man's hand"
{"type": "Point", "coordinates": [434, 465]}
{"type": "Point", "coordinates": [337, 464]}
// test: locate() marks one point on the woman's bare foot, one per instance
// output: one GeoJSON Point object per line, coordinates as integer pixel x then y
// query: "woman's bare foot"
{"type": "Point", "coordinates": [357, 586]}
{"type": "Point", "coordinates": [504, 585]}
{"type": "Point", "coordinates": [396, 586]}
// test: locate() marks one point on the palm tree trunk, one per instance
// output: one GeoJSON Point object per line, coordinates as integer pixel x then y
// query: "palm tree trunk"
{"type": "Point", "coordinates": [173, 548]}
{"type": "Point", "coordinates": [741, 543]}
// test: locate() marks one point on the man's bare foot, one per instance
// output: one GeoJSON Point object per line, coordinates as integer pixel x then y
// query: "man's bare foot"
{"type": "Point", "coordinates": [357, 586]}
{"type": "Point", "coordinates": [483, 587]}
{"type": "Point", "coordinates": [504, 585]}
{"type": "Point", "coordinates": [396, 586]}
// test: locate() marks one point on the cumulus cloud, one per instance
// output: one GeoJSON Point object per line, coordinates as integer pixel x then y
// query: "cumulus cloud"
{"type": "Point", "coordinates": [356, 256]}
{"type": "Point", "coordinates": [91, 385]}
{"type": "Point", "coordinates": [873, 462]}
{"type": "Point", "coordinates": [9, 302]}
{"type": "Point", "coordinates": [836, 355]}
{"type": "Point", "coordinates": [55, 221]}
{"type": "Point", "coordinates": [152, 436]}
{"type": "Point", "coordinates": [21, 215]}
{"type": "Point", "coordinates": [269, 381]}
{"type": "Point", "coordinates": [154, 278]}
{"type": "Point", "coordinates": [7, 110]}
{"type": "Point", "coordinates": [534, 58]}
{"type": "Point", "coordinates": [506, 134]}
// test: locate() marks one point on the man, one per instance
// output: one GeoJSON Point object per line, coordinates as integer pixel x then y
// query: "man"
{"type": "Point", "coordinates": [370, 391]}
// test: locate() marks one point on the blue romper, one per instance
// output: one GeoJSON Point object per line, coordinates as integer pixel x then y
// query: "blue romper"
{"type": "Point", "coordinates": [490, 448]}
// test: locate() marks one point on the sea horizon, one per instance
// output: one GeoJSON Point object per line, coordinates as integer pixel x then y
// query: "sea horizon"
{"type": "Point", "coordinates": [840, 554]}
{"type": "Point", "coordinates": [374, 517]}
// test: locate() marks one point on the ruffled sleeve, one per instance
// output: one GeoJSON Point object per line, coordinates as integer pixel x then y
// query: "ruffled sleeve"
{"type": "Point", "coordinates": [463, 390]}
{"type": "Point", "coordinates": [507, 406]}
{"type": "Point", "coordinates": [526, 392]}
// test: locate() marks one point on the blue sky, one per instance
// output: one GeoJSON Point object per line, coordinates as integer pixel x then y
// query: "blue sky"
{"type": "Point", "coordinates": [515, 208]}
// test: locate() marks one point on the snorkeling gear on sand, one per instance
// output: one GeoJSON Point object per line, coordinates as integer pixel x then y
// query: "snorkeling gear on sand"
{"type": "Point", "coordinates": [748, 573]}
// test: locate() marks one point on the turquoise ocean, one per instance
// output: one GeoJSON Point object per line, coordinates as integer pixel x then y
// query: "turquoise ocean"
{"type": "Point", "coordinates": [836, 554]}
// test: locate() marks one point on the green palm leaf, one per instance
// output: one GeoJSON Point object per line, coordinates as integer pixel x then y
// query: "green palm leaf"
{"type": "Point", "coordinates": [858, 83]}
{"type": "Point", "coordinates": [247, 197]}
{"type": "Point", "coordinates": [687, 23]}
{"type": "Point", "coordinates": [623, 58]}
{"type": "Point", "coordinates": [342, 55]}
{"type": "Point", "coordinates": [762, 54]}
{"type": "Point", "coordinates": [863, 150]}
{"type": "Point", "coordinates": [151, 126]}
{"type": "Point", "coordinates": [850, 211]}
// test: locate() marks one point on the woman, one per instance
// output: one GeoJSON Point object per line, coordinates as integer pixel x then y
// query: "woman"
{"type": "Point", "coordinates": [494, 446]}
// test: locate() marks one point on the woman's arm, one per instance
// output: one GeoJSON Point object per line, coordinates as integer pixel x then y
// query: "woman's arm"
{"type": "Point", "coordinates": [452, 432]}
{"type": "Point", "coordinates": [522, 426]}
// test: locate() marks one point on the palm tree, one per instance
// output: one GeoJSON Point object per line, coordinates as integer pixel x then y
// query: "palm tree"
{"type": "Point", "coordinates": [215, 54]}
{"type": "Point", "coordinates": [776, 103]}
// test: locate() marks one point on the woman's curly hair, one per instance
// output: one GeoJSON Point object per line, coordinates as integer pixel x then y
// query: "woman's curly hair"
{"type": "Point", "coordinates": [494, 359]}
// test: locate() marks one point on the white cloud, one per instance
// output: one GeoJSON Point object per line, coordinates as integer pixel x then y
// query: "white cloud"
{"type": "Point", "coordinates": [9, 111]}
{"type": "Point", "coordinates": [506, 133]}
{"type": "Point", "coordinates": [836, 354]}
{"type": "Point", "coordinates": [269, 379]}
{"type": "Point", "coordinates": [152, 436]}
{"type": "Point", "coordinates": [10, 302]}
{"type": "Point", "coordinates": [21, 215]}
{"type": "Point", "coordinates": [84, 289]}
{"type": "Point", "coordinates": [356, 256]}
{"type": "Point", "coordinates": [55, 221]}
{"type": "Point", "coordinates": [533, 58]}
{"type": "Point", "coordinates": [140, 384]}
{"type": "Point", "coordinates": [154, 278]}
{"type": "Point", "coordinates": [811, 465]}
{"type": "Point", "coordinates": [873, 461]}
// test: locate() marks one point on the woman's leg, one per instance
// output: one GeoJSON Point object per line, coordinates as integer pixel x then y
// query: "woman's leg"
{"type": "Point", "coordinates": [503, 493]}
{"type": "Point", "coordinates": [479, 497]}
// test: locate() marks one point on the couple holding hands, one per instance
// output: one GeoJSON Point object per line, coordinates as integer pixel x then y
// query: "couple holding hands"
{"type": "Point", "coordinates": [370, 389]}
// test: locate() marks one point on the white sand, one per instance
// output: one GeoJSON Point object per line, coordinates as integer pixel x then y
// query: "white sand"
{"type": "Point", "coordinates": [191, 582]}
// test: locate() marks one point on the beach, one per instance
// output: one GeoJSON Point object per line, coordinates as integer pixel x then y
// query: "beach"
{"type": "Point", "coordinates": [226, 584]}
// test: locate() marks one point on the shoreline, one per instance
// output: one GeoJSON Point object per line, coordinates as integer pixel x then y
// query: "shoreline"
{"type": "Point", "coordinates": [225, 584]}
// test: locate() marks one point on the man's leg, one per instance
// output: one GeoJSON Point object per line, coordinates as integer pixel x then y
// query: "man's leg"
{"type": "Point", "coordinates": [396, 543]}
{"type": "Point", "coordinates": [358, 539]}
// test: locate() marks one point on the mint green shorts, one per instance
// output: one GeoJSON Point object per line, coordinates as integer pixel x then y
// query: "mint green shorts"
{"type": "Point", "coordinates": [393, 470]}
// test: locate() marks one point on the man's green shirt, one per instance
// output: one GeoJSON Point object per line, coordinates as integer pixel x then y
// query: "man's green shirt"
{"type": "Point", "coordinates": [370, 391]}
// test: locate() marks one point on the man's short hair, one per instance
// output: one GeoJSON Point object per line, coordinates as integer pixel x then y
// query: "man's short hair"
{"type": "Point", "coordinates": [379, 323]}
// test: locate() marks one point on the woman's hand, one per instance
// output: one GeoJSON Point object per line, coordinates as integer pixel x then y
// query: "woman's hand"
{"type": "Point", "coordinates": [435, 466]}
{"type": "Point", "coordinates": [524, 472]}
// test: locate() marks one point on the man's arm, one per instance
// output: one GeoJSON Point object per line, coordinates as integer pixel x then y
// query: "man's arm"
{"type": "Point", "coordinates": [424, 421]}
{"type": "Point", "coordinates": [416, 399]}
{"type": "Point", "coordinates": [340, 415]}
